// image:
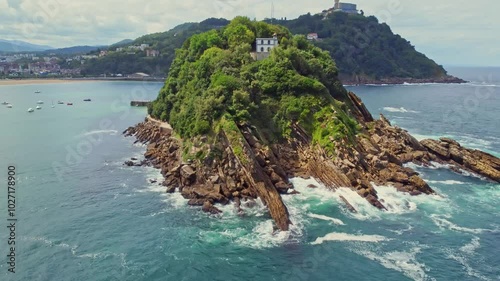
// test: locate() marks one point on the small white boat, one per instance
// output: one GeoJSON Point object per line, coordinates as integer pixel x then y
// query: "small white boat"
{"type": "Point", "coordinates": [39, 102]}
{"type": "Point", "coordinates": [5, 103]}
{"type": "Point", "coordinates": [9, 106]}
{"type": "Point", "coordinates": [60, 102]}
{"type": "Point", "coordinates": [38, 107]}
{"type": "Point", "coordinates": [37, 92]}
{"type": "Point", "coordinates": [30, 109]}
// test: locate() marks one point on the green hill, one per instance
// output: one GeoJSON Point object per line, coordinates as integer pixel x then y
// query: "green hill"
{"type": "Point", "coordinates": [365, 50]}
{"type": "Point", "coordinates": [166, 43]}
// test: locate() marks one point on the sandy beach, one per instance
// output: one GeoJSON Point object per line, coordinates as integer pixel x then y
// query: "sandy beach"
{"type": "Point", "coordinates": [6, 82]}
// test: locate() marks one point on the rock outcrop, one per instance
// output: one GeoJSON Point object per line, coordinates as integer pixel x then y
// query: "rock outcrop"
{"type": "Point", "coordinates": [244, 168]}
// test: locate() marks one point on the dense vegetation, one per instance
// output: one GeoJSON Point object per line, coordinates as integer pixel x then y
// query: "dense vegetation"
{"type": "Point", "coordinates": [165, 42]}
{"type": "Point", "coordinates": [215, 84]}
{"type": "Point", "coordinates": [362, 46]}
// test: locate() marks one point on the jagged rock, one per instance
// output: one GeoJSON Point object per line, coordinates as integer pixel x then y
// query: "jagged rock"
{"type": "Point", "coordinates": [348, 205]}
{"type": "Point", "coordinates": [312, 186]}
{"type": "Point", "coordinates": [187, 173]}
{"type": "Point", "coordinates": [450, 141]}
{"type": "Point", "coordinates": [435, 147]}
{"type": "Point", "coordinates": [210, 208]}
{"type": "Point", "coordinates": [282, 187]}
{"type": "Point", "coordinates": [171, 189]}
{"type": "Point", "coordinates": [196, 202]}
{"type": "Point", "coordinates": [129, 163]}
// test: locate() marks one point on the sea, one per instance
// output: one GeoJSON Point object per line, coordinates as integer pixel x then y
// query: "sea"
{"type": "Point", "coordinates": [80, 214]}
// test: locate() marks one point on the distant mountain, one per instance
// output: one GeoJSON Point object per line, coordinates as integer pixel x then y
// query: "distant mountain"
{"type": "Point", "coordinates": [21, 46]}
{"type": "Point", "coordinates": [75, 50]}
{"type": "Point", "coordinates": [121, 43]}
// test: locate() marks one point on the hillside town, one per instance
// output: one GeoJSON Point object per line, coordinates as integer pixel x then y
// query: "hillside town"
{"type": "Point", "coordinates": [18, 65]}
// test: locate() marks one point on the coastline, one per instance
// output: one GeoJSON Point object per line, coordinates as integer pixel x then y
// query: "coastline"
{"type": "Point", "coordinates": [363, 81]}
{"type": "Point", "coordinates": [346, 81]}
{"type": "Point", "coordinates": [35, 81]}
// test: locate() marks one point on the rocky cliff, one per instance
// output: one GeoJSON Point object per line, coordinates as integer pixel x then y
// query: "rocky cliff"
{"type": "Point", "coordinates": [377, 157]}
{"type": "Point", "coordinates": [227, 129]}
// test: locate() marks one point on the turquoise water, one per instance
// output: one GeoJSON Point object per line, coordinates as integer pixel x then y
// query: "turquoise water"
{"type": "Point", "coordinates": [82, 215]}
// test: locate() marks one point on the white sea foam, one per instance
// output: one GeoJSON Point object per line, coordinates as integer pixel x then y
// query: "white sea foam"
{"type": "Point", "coordinates": [446, 182]}
{"type": "Point", "coordinates": [364, 210]}
{"type": "Point", "coordinates": [100, 132]}
{"type": "Point", "coordinates": [443, 223]}
{"type": "Point", "coordinates": [50, 243]}
{"type": "Point", "coordinates": [464, 254]}
{"type": "Point", "coordinates": [471, 247]}
{"type": "Point", "coordinates": [404, 262]}
{"type": "Point", "coordinates": [402, 231]}
{"type": "Point", "coordinates": [400, 110]}
{"type": "Point", "coordinates": [339, 236]}
{"type": "Point", "coordinates": [326, 218]}
{"type": "Point", "coordinates": [395, 201]}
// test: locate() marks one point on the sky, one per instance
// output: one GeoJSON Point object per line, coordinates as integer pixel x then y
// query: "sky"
{"type": "Point", "coordinates": [450, 33]}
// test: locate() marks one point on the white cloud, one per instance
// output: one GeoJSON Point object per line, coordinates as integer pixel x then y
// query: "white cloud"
{"type": "Point", "coordinates": [439, 29]}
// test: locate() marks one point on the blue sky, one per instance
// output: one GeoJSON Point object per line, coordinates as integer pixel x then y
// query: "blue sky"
{"type": "Point", "coordinates": [451, 33]}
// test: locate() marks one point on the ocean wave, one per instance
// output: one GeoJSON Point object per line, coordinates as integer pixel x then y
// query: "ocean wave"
{"type": "Point", "coordinates": [99, 132]}
{"type": "Point", "coordinates": [463, 256]}
{"type": "Point", "coordinates": [339, 236]}
{"type": "Point", "coordinates": [402, 231]}
{"type": "Point", "coordinates": [396, 202]}
{"type": "Point", "coordinates": [400, 110]}
{"type": "Point", "coordinates": [404, 262]}
{"type": "Point", "coordinates": [364, 210]}
{"type": "Point", "coordinates": [446, 182]}
{"type": "Point", "coordinates": [475, 84]}
{"type": "Point", "coordinates": [442, 222]}
{"type": "Point", "coordinates": [326, 218]}
{"type": "Point", "coordinates": [472, 246]}
{"type": "Point", "coordinates": [50, 243]}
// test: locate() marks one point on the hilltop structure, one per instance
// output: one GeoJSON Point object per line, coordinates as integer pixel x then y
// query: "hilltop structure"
{"type": "Point", "coordinates": [263, 47]}
{"type": "Point", "coordinates": [345, 7]}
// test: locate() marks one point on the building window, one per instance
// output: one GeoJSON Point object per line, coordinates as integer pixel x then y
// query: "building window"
{"type": "Point", "coordinates": [268, 49]}
{"type": "Point", "coordinates": [262, 49]}
{"type": "Point", "coordinates": [269, 42]}
{"type": "Point", "coordinates": [261, 41]}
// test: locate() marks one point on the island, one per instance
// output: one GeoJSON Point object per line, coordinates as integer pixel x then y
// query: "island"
{"type": "Point", "coordinates": [249, 106]}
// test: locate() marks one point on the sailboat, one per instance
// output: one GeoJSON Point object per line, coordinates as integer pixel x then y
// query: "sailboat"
{"type": "Point", "coordinates": [30, 109]}
{"type": "Point", "coordinates": [53, 105]}
{"type": "Point", "coordinates": [39, 102]}
{"type": "Point", "coordinates": [9, 105]}
{"type": "Point", "coordinates": [38, 107]}
{"type": "Point", "coordinates": [5, 103]}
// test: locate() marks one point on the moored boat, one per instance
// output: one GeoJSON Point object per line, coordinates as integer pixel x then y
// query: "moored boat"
{"type": "Point", "coordinates": [30, 109]}
{"type": "Point", "coordinates": [38, 107]}
{"type": "Point", "coordinates": [9, 105]}
{"type": "Point", "coordinates": [39, 102]}
{"type": "Point", "coordinates": [69, 103]}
